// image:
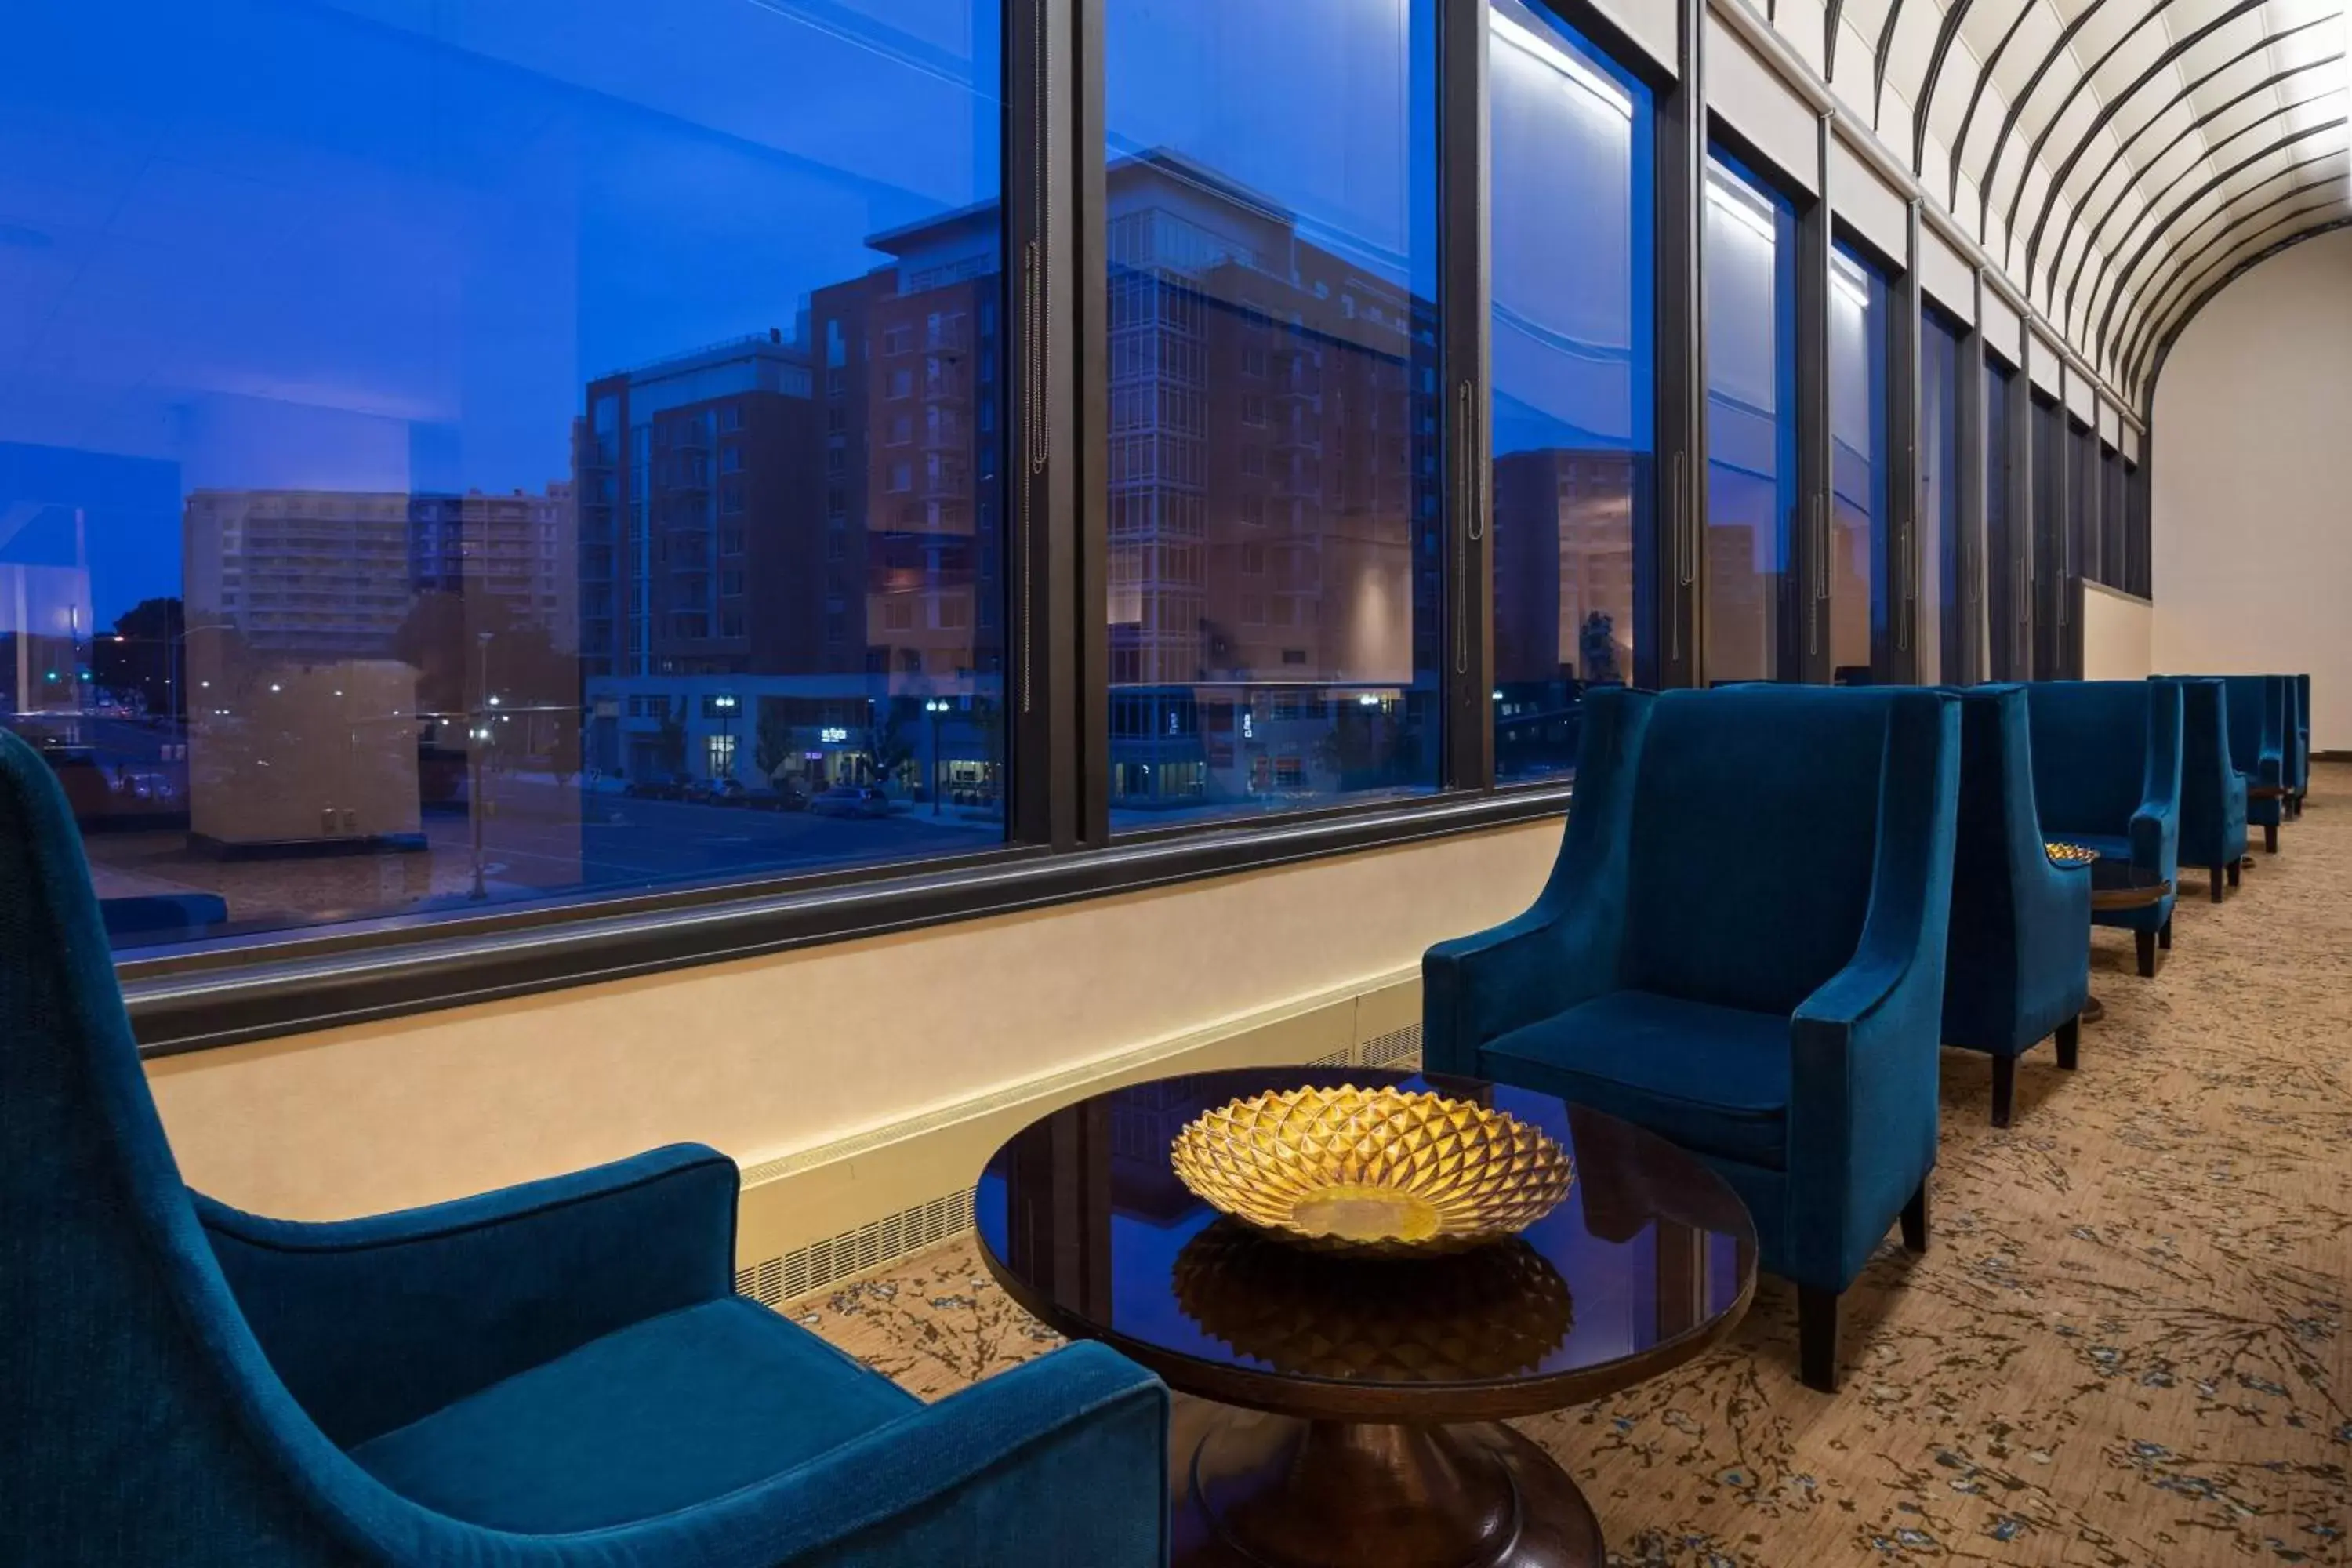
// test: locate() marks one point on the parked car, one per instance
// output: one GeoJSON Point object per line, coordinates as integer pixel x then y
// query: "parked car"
{"type": "Point", "coordinates": [851, 800]}
{"type": "Point", "coordinates": [786, 797]}
{"type": "Point", "coordinates": [715, 792]}
{"type": "Point", "coordinates": [660, 786]}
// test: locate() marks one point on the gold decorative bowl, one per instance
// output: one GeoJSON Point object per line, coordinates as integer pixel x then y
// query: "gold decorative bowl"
{"type": "Point", "coordinates": [2071, 853]}
{"type": "Point", "coordinates": [1372, 1171]}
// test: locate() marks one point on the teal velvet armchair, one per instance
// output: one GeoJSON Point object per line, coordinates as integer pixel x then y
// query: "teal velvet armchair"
{"type": "Point", "coordinates": [558, 1376]}
{"type": "Point", "coordinates": [2213, 803]}
{"type": "Point", "coordinates": [1741, 947]}
{"type": "Point", "coordinates": [2259, 710]}
{"type": "Point", "coordinates": [2107, 776]}
{"type": "Point", "coordinates": [2018, 967]}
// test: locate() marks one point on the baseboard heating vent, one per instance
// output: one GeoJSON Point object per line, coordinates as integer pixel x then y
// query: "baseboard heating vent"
{"type": "Point", "coordinates": [1397, 1049]}
{"type": "Point", "coordinates": [822, 1264]}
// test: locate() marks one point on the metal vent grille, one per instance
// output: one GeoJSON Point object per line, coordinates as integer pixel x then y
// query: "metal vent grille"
{"type": "Point", "coordinates": [1397, 1049]}
{"type": "Point", "coordinates": [822, 1264]}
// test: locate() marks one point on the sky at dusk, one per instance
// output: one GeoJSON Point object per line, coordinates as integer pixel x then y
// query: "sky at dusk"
{"type": "Point", "coordinates": [384, 244]}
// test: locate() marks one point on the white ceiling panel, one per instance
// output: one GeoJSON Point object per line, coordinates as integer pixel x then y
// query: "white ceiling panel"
{"type": "Point", "coordinates": [2098, 149]}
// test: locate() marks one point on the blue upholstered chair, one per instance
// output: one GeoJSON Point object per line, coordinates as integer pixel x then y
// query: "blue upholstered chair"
{"type": "Point", "coordinates": [2107, 776]}
{"type": "Point", "coordinates": [1741, 947]}
{"type": "Point", "coordinates": [2298, 736]}
{"type": "Point", "coordinates": [2212, 792]}
{"type": "Point", "coordinates": [557, 1375]}
{"type": "Point", "coordinates": [2017, 966]}
{"type": "Point", "coordinates": [2259, 715]}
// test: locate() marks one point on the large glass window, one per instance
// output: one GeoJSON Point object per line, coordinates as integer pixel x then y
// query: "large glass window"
{"type": "Point", "coordinates": [2009, 606]}
{"type": "Point", "coordinates": [2113, 527]}
{"type": "Point", "coordinates": [2082, 500]}
{"type": "Point", "coordinates": [1275, 573]}
{"type": "Point", "coordinates": [1947, 606]}
{"type": "Point", "coordinates": [1859, 468]}
{"type": "Point", "coordinates": [1573, 267]}
{"type": "Point", "coordinates": [1751, 422]}
{"type": "Point", "coordinates": [462, 455]}
{"type": "Point", "coordinates": [2049, 445]}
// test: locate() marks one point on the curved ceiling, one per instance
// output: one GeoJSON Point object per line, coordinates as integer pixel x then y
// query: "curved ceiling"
{"type": "Point", "coordinates": [2117, 157]}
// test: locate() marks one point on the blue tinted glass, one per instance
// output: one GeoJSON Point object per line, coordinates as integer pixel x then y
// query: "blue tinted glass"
{"type": "Point", "coordinates": [1859, 467]}
{"type": "Point", "coordinates": [1751, 420]}
{"type": "Point", "coordinates": [1274, 576]}
{"type": "Point", "coordinates": [1946, 638]}
{"type": "Point", "coordinates": [472, 453]}
{"type": "Point", "coordinates": [2005, 545]}
{"type": "Point", "coordinates": [1574, 362]}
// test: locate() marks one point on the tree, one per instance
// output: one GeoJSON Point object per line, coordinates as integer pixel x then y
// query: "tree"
{"type": "Point", "coordinates": [669, 741]}
{"type": "Point", "coordinates": [886, 747]}
{"type": "Point", "coordinates": [1596, 650]}
{"type": "Point", "coordinates": [771, 745]}
{"type": "Point", "coordinates": [143, 655]}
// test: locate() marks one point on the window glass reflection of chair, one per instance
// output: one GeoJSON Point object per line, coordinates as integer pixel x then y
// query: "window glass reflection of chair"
{"type": "Point", "coordinates": [2107, 776]}
{"type": "Point", "coordinates": [1741, 947]}
{"type": "Point", "coordinates": [2018, 968]}
{"type": "Point", "coordinates": [557, 1374]}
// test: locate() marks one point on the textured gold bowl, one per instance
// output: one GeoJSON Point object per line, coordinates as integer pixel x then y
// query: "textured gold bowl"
{"type": "Point", "coordinates": [1372, 1171]}
{"type": "Point", "coordinates": [2071, 853]}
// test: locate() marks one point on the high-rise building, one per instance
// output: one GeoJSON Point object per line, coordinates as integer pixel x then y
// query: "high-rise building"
{"type": "Point", "coordinates": [515, 552]}
{"type": "Point", "coordinates": [1564, 565]}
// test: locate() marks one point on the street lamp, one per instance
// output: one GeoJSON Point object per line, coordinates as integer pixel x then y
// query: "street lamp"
{"type": "Point", "coordinates": [726, 706]}
{"type": "Point", "coordinates": [938, 708]}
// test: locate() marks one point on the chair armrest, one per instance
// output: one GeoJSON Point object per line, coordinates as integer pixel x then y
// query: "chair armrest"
{"type": "Point", "coordinates": [1862, 1070]}
{"type": "Point", "coordinates": [1478, 987]}
{"type": "Point", "coordinates": [1057, 1463]}
{"type": "Point", "coordinates": [2155, 836]}
{"type": "Point", "coordinates": [374, 1322]}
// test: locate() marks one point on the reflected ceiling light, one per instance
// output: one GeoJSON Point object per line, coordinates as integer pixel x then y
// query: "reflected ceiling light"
{"type": "Point", "coordinates": [1848, 280]}
{"type": "Point", "coordinates": [1542, 50]}
{"type": "Point", "coordinates": [1736, 200]}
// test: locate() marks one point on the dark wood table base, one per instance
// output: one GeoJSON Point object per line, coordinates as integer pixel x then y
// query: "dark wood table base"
{"type": "Point", "coordinates": [2094, 1010]}
{"type": "Point", "coordinates": [1263, 1491]}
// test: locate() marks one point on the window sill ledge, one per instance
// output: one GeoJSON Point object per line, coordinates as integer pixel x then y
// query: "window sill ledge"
{"type": "Point", "coordinates": [199, 1003]}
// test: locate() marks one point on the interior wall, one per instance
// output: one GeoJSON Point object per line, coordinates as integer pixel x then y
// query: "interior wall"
{"type": "Point", "coordinates": [2117, 635]}
{"type": "Point", "coordinates": [2252, 496]}
{"type": "Point", "coordinates": [766, 1057]}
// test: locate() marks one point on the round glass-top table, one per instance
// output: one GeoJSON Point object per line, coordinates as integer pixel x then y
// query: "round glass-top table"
{"type": "Point", "coordinates": [1360, 1401]}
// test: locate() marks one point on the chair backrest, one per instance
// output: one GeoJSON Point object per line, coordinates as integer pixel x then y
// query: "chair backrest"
{"type": "Point", "coordinates": [2205, 773]}
{"type": "Point", "coordinates": [1998, 827]}
{"type": "Point", "coordinates": [2094, 749]}
{"type": "Point", "coordinates": [1755, 828]}
{"type": "Point", "coordinates": [2295, 732]}
{"type": "Point", "coordinates": [130, 1425]}
{"type": "Point", "coordinates": [2257, 718]}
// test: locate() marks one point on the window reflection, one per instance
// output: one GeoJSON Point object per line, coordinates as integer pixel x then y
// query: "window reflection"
{"type": "Point", "coordinates": [1573, 361]}
{"type": "Point", "coordinates": [1949, 629]}
{"type": "Point", "coordinates": [1858, 463]}
{"type": "Point", "coordinates": [1274, 569]}
{"type": "Point", "coordinates": [1751, 368]}
{"type": "Point", "coordinates": [516, 451]}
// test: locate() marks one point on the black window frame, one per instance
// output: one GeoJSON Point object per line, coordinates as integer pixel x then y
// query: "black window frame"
{"type": "Point", "coordinates": [1058, 846]}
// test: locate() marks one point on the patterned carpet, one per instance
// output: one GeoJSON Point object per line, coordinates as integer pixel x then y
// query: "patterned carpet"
{"type": "Point", "coordinates": [2125, 1344]}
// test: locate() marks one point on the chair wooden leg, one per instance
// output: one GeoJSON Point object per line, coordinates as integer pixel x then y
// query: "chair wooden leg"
{"type": "Point", "coordinates": [2164, 934]}
{"type": "Point", "coordinates": [2146, 942]}
{"type": "Point", "coordinates": [2069, 1043]}
{"type": "Point", "coordinates": [2219, 877]}
{"type": "Point", "coordinates": [1915, 1220]}
{"type": "Point", "coordinates": [1817, 1337]}
{"type": "Point", "coordinates": [2235, 868]}
{"type": "Point", "coordinates": [2004, 1089]}
{"type": "Point", "coordinates": [2270, 838]}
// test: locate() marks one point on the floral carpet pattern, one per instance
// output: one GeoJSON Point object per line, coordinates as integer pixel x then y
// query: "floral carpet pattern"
{"type": "Point", "coordinates": [2125, 1346]}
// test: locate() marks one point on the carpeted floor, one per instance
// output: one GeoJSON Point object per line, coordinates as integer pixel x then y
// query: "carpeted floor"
{"type": "Point", "coordinates": [2125, 1344]}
